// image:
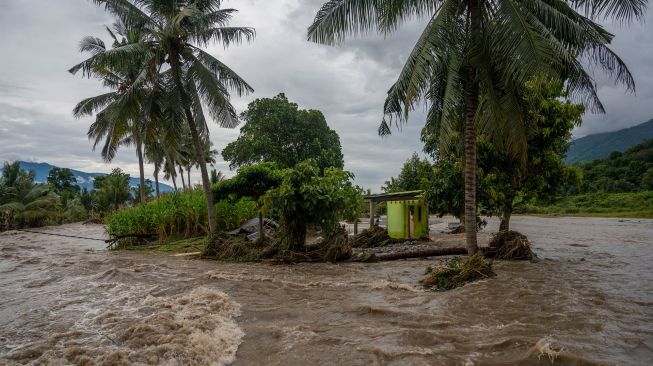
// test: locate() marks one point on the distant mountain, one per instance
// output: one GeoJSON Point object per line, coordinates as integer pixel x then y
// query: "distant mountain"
{"type": "Point", "coordinates": [84, 180]}
{"type": "Point", "coordinates": [600, 145]}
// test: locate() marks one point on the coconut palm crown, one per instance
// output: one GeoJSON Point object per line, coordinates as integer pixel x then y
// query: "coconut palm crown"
{"type": "Point", "coordinates": [173, 34]}
{"type": "Point", "coordinates": [473, 57]}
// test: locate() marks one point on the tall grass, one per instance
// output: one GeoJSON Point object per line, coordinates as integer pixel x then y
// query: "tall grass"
{"type": "Point", "coordinates": [178, 214]}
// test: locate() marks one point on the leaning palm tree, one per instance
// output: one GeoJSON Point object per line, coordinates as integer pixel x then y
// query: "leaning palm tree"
{"type": "Point", "coordinates": [173, 33]}
{"type": "Point", "coordinates": [473, 56]}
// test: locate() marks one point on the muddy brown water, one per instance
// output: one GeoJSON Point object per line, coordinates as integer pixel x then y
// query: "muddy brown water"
{"type": "Point", "coordinates": [588, 301]}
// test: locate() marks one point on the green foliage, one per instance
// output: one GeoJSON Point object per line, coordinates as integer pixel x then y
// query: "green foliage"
{"type": "Point", "coordinates": [276, 130]}
{"type": "Point", "coordinates": [415, 174]}
{"type": "Point", "coordinates": [24, 203]}
{"type": "Point", "coordinates": [63, 183]}
{"type": "Point", "coordinates": [178, 214]}
{"type": "Point", "coordinates": [630, 171]}
{"type": "Point", "coordinates": [250, 181]}
{"type": "Point", "coordinates": [307, 198]}
{"type": "Point", "coordinates": [112, 190]}
{"type": "Point", "coordinates": [171, 215]}
{"type": "Point", "coordinates": [602, 204]}
{"type": "Point", "coordinates": [231, 213]}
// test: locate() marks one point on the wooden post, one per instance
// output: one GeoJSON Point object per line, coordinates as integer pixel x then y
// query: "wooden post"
{"type": "Point", "coordinates": [371, 213]}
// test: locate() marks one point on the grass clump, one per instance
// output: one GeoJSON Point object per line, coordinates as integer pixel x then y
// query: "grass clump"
{"type": "Point", "coordinates": [455, 273]}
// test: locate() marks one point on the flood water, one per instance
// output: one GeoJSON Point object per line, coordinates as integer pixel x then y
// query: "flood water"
{"type": "Point", "coordinates": [588, 301]}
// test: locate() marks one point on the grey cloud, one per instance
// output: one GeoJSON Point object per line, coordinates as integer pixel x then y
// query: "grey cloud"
{"type": "Point", "coordinates": [348, 83]}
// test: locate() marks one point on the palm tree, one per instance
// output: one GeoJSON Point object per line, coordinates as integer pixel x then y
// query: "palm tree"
{"type": "Point", "coordinates": [217, 176]}
{"type": "Point", "coordinates": [173, 33]}
{"type": "Point", "coordinates": [22, 202]}
{"type": "Point", "coordinates": [473, 56]}
{"type": "Point", "coordinates": [122, 117]}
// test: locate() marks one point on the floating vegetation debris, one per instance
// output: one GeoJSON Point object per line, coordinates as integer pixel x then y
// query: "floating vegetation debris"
{"type": "Point", "coordinates": [335, 247]}
{"type": "Point", "coordinates": [455, 273]}
{"type": "Point", "coordinates": [373, 237]}
{"type": "Point", "coordinates": [510, 245]}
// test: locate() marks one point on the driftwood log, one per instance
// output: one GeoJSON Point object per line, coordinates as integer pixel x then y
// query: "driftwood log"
{"type": "Point", "coordinates": [425, 253]}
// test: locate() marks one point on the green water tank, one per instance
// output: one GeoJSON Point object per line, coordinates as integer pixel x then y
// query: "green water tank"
{"type": "Point", "coordinates": [408, 219]}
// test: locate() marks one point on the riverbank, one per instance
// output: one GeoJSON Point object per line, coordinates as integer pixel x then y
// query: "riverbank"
{"type": "Point", "coordinates": [65, 299]}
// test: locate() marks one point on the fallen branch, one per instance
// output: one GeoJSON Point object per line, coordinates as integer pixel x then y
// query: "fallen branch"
{"type": "Point", "coordinates": [425, 253]}
{"type": "Point", "coordinates": [116, 238]}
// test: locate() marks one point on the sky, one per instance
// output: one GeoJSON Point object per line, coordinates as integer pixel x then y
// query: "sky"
{"type": "Point", "coordinates": [39, 41]}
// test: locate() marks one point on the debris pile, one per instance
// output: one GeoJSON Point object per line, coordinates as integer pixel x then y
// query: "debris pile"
{"type": "Point", "coordinates": [373, 237]}
{"type": "Point", "coordinates": [455, 273]}
{"type": "Point", "coordinates": [510, 245]}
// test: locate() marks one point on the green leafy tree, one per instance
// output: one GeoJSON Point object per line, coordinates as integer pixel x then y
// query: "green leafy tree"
{"type": "Point", "coordinates": [415, 174]}
{"type": "Point", "coordinates": [305, 198]}
{"type": "Point", "coordinates": [474, 55]}
{"type": "Point", "coordinates": [112, 190]}
{"type": "Point", "coordinates": [173, 33]}
{"type": "Point", "coordinates": [276, 130]}
{"type": "Point", "coordinates": [541, 173]}
{"type": "Point", "coordinates": [63, 182]}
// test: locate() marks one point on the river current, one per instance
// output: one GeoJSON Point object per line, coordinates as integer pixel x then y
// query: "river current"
{"type": "Point", "coordinates": [587, 301]}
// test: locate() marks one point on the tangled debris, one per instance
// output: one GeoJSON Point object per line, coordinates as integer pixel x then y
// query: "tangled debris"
{"type": "Point", "coordinates": [510, 245]}
{"type": "Point", "coordinates": [237, 248]}
{"type": "Point", "coordinates": [373, 237]}
{"type": "Point", "coordinates": [455, 273]}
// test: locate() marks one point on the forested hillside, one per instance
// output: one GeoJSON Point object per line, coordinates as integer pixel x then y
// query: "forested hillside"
{"type": "Point", "coordinates": [600, 145]}
{"type": "Point", "coordinates": [630, 171]}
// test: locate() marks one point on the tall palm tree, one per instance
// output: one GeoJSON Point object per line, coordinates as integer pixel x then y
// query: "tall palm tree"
{"type": "Point", "coordinates": [122, 115]}
{"type": "Point", "coordinates": [473, 56]}
{"type": "Point", "coordinates": [173, 33]}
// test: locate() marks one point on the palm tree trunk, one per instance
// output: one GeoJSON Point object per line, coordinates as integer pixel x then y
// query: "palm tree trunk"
{"type": "Point", "coordinates": [141, 170]}
{"type": "Point", "coordinates": [174, 182]}
{"type": "Point", "coordinates": [188, 174]}
{"type": "Point", "coordinates": [181, 174]}
{"type": "Point", "coordinates": [156, 181]}
{"type": "Point", "coordinates": [199, 150]}
{"type": "Point", "coordinates": [470, 136]}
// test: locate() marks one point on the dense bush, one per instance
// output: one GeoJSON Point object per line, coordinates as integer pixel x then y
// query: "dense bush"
{"type": "Point", "coordinates": [307, 198]}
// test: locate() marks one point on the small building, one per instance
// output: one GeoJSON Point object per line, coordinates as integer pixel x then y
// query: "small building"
{"type": "Point", "coordinates": [408, 216]}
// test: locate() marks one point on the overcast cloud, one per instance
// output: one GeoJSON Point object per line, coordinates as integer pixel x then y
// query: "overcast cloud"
{"type": "Point", "coordinates": [348, 83]}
